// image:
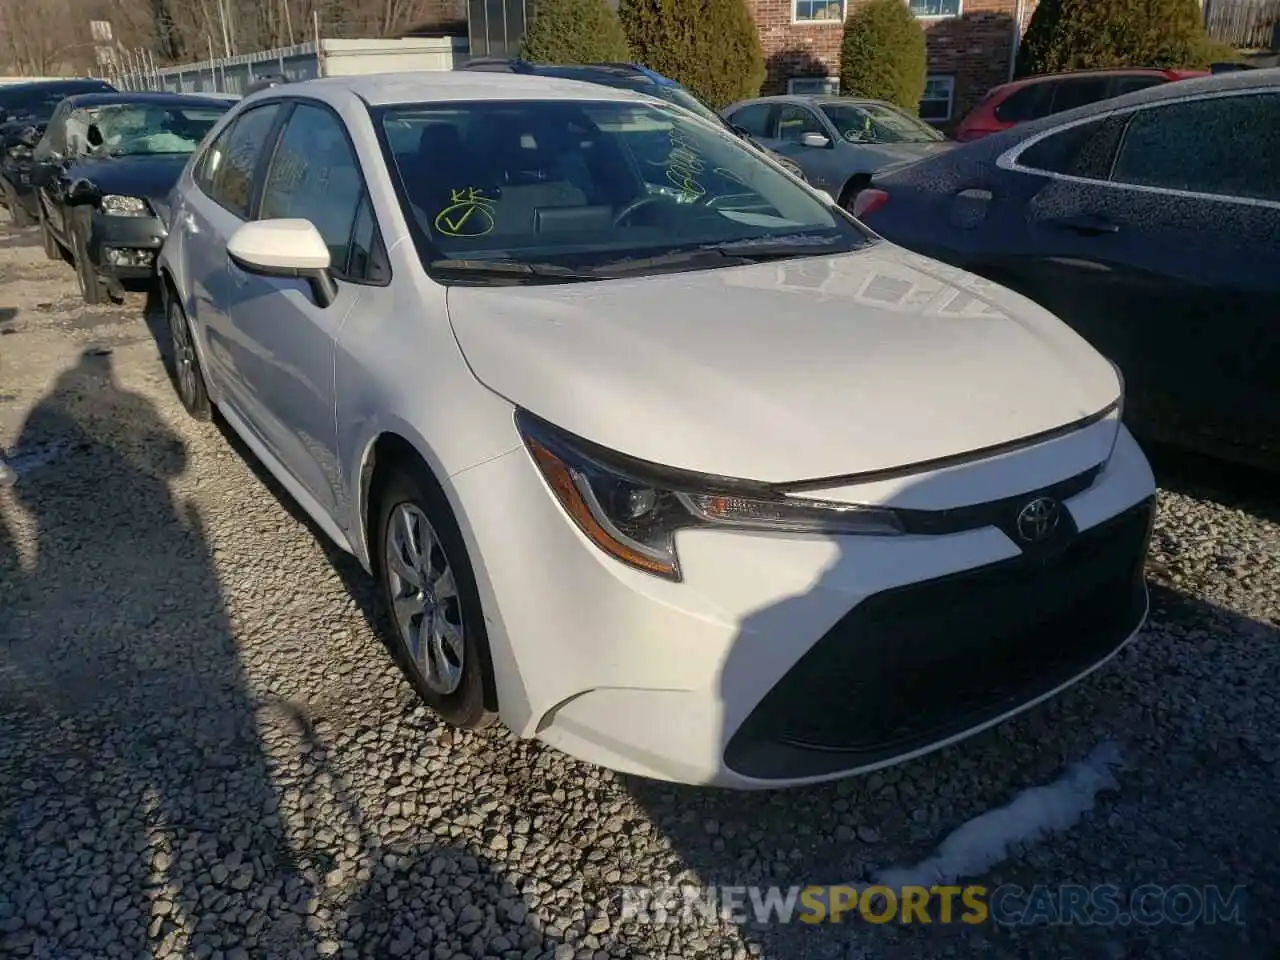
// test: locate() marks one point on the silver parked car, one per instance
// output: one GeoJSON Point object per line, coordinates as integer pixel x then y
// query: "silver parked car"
{"type": "Point", "coordinates": [839, 142]}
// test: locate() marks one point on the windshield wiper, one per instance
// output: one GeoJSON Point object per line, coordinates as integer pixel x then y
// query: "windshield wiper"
{"type": "Point", "coordinates": [788, 245]}
{"type": "Point", "coordinates": [729, 253]}
{"type": "Point", "coordinates": [513, 270]}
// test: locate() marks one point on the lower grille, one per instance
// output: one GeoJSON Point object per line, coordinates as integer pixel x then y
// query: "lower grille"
{"type": "Point", "coordinates": [920, 663]}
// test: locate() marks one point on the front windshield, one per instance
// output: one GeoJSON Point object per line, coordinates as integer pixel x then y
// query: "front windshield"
{"type": "Point", "coordinates": [135, 129]}
{"type": "Point", "coordinates": [586, 184]}
{"type": "Point", "coordinates": [878, 123]}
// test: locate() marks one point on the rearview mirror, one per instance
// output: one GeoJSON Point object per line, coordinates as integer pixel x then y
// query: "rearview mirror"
{"type": "Point", "coordinates": [285, 248]}
{"type": "Point", "coordinates": [82, 193]}
{"type": "Point", "coordinates": [813, 140]}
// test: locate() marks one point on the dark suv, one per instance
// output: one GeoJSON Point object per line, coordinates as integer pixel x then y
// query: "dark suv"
{"type": "Point", "coordinates": [625, 76]}
{"type": "Point", "coordinates": [25, 109]}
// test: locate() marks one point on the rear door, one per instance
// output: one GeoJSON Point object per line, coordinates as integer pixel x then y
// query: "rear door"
{"type": "Point", "coordinates": [225, 177]}
{"type": "Point", "coordinates": [1167, 260]}
{"type": "Point", "coordinates": [1072, 92]}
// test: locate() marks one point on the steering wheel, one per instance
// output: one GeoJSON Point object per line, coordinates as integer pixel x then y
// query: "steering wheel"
{"type": "Point", "coordinates": [638, 204]}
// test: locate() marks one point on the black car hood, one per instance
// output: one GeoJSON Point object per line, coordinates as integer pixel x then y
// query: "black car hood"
{"type": "Point", "coordinates": [151, 178]}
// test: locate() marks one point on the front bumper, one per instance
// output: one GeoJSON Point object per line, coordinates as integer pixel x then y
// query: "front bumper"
{"type": "Point", "coordinates": [782, 660]}
{"type": "Point", "coordinates": [126, 247]}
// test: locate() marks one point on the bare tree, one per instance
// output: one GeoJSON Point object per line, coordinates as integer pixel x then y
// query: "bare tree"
{"type": "Point", "coordinates": [45, 37]}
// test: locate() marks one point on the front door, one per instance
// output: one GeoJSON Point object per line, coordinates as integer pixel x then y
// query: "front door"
{"type": "Point", "coordinates": [287, 340]}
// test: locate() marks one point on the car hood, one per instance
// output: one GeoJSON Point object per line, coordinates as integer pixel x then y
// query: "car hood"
{"type": "Point", "coordinates": [783, 371]}
{"type": "Point", "coordinates": [151, 178]}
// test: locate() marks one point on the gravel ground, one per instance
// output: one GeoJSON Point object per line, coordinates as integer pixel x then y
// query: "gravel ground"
{"type": "Point", "coordinates": [206, 752]}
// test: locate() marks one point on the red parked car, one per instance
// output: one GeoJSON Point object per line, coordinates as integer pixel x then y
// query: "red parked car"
{"type": "Point", "coordinates": [1033, 97]}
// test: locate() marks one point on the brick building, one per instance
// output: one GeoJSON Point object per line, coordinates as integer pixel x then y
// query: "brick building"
{"type": "Point", "coordinates": [970, 42]}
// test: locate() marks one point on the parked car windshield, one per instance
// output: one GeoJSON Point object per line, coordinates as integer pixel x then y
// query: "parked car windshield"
{"type": "Point", "coordinates": [878, 123]}
{"type": "Point", "coordinates": [588, 185]}
{"type": "Point", "coordinates": [133, 129]}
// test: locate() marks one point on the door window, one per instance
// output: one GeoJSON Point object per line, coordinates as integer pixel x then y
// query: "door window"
{"type": "Point", "coordinates": [1070, 94]}
{"type": "Point", "coordinates": [1123, 85]}
{"type": "Point", "coordinates": [1226, 146]}
{"type": "Point", "coordinates": [226, 170]}
{"type": "Point", "coordinates": [314, 176]}
{"type": "Point", "coordinates": [1028, 103]}
{"type": "Point", "coordinates": [795, 121]}
{"type": "Point", "coordinates": [753, 118]}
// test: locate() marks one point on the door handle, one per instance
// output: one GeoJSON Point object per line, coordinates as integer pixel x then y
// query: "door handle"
{"type": "Point", "coordinates": [1088, 225]}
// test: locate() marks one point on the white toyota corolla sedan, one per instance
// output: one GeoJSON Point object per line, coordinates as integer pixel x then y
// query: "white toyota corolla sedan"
{"type": "Point", "coordinates": [656, 454]}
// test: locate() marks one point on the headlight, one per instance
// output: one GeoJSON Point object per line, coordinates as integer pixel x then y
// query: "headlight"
{"type": "Point", "coordinates": [631, 509]}
{"type": "Point", "coordinates": [118, 206]}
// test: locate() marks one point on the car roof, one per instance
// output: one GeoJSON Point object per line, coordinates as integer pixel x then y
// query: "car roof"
{"type": "Point", "coordinates": [811, 99]}
{"type": "Point", "coordinates": [1098, 72]}
{"type": "Point", "coordinates": [597, 72]}
{"type": "Point", "coordinates": [36, 86]}
{"type": "Point", "coordinates": [446, 86]}
{"type": "Point", "coordinates": [1198, 86]}
{"type": "Point", "coordinates": [126, 96]}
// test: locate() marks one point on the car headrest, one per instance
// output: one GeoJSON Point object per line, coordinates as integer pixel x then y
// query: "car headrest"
{"type": "Point", "coordinates": [438, 140]}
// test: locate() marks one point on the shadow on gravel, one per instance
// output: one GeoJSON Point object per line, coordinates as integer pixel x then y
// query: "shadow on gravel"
{"type": "Point", "coordinates": [139, 814]}
{"type": "Point", "coordinates": [1251, 490]}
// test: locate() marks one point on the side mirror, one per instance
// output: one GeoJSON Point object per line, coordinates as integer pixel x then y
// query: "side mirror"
{"type": "Point", "coordinates": [813, 140]}
{"type": "Point", "coordinates": [285, 248]}
{"type": "Point", "coordinates": [82, 193]}
{"type": "Point", "coordinates": [825, 195]}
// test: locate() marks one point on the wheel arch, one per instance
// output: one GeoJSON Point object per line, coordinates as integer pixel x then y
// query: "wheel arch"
{"type": "Point", "coordinates": [398, 447]}
{"type": "Point", "coordinates": [852, 186]}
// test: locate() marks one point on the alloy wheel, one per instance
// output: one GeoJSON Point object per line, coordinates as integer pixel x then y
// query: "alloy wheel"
{"type": "Point", "coordinates": [424, 599]}
{"type": "Point", "coordinates": [184, 366]}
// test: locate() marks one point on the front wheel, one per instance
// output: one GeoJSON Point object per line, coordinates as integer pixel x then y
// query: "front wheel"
{"type": "Point", "coordinates": [91, 287]}
{"type": "Point", "coordinates": [19, 214]}
{"type": "Point", "coordinates": [429, 588]}
{"type": "Point", "coordinates": [52, 250]}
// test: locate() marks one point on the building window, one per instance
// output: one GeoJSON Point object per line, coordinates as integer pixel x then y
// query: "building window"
{"type": "Point", "coordinates": [818, 11]}
{"type": "Point", "coordinates": [931, 9]}
{"type": "Point", "coordinates": [939, 95]}
{"type": "Point", "coordinates": [823, 86]}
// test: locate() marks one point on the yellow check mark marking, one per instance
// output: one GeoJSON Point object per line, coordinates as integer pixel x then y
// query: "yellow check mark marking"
{"type": "Point", "coordinates": [455, 224]}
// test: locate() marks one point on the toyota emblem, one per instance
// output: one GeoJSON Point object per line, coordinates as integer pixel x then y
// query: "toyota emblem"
{"type": "Point", "coordinates": [1038, 519]}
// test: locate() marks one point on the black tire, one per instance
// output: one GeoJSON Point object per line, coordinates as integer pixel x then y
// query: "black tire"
{"type": "Point", "coordinates": [18, 214]}
{"type": "Point", "coordinates": [92, 289]}
{"type": "Point", "coordinates": [471, 704]}
{"type": "Point", "coordinates": [52, 249]}
{"type": "Point", "coordinates": [184, 363]}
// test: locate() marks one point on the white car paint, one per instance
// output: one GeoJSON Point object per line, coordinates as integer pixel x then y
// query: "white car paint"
{"type": "Point", "coordinates": [877, 368]}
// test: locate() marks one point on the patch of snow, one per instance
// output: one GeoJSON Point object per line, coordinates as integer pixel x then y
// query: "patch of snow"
{"type": "Point", "coordinates": [977, 846]}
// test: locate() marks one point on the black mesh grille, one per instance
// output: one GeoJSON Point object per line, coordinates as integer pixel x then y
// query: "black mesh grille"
{"type": "Point", "coordinates": [919, 663]}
